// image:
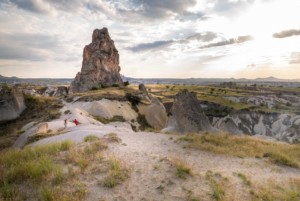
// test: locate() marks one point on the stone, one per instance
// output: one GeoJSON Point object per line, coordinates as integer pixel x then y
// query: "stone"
{"type": "Point", "coordinates": [153, 110]}
{"type": "Point", "coordinates": [42, 128]}
{"type": "Point", "coordinates": [187, 115]}
{"type": "Point", "coordinates": [12, 103]}
{"type": "Point", "coordinates": [100, 65]}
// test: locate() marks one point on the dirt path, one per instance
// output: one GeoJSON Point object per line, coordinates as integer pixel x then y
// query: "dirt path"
{"type": "Point", "coordinates": [153, 177]}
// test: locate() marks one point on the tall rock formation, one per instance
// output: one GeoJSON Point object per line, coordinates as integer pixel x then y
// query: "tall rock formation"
{"type": "Point", "coordinates": [187, 115]}
{"type": "Point", "coordinates": [100, 65]}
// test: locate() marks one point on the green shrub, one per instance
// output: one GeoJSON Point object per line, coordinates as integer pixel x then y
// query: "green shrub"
{"type": "Point", "coordinates": [91, 138]}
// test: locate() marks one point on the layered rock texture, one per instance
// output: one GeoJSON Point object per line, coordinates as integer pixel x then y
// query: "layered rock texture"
{"type": "Point", "coordinates": [100, 65]}
{"type": "Point", "coordinates": [187, 115]}
{"type": "Point", "coordinates": [280, 126]}
{"type": "Point", "coordinates": [11, 103]}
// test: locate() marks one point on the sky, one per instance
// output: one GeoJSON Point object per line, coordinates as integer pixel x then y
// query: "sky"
{"type": "Point", "coordinates": [155, 38]}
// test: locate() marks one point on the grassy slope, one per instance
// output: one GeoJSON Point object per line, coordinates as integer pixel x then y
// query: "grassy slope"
{"type": "Point", "coordinates": [245, 146]}
{"type": "Point", "coordinates": [54, 172]}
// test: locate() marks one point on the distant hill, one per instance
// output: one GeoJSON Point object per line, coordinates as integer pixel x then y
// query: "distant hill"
{"type": "Point", "coordinates": [188, 81]}
{"type": "Point", "coordinates": [8, 78]}
{"type": "Point", "coordinates": [37, 81]}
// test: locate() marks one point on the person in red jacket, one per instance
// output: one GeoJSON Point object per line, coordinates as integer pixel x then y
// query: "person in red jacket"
{"type": "Point", "coordinates": [76, 122]}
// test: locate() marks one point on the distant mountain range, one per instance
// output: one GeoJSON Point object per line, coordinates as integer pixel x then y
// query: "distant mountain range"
{"type": "Point", "coordinates": [187, 81]}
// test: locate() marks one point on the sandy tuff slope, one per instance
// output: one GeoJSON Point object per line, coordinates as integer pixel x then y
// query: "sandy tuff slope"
{"type": "Point", "coordinates": [153, 177]}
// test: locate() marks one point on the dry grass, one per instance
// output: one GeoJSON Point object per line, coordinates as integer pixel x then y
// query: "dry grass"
{"type": "Point", "coordinates": [217, 184]}
{"type": "Point", "coordinates": [40, 172]}
{"type": "Point", "coordinates": [244, 178]}
{"type": "Point", "coordinates": [245, 146]}
{"type": "Point", "coordinates": [289, 191]}
{"type": "Point", "coordinates": [113, 137]}
{"type": "Point", "coordinates": [118, 173]}
{"type": "Point", "coordinates": [183, 170]}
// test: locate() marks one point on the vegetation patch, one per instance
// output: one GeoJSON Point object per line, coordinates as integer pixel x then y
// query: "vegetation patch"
{"type": "Point", "coordinates": [91, 138]}
{"type": "Point", "coordinates": [290, 191]}
{"type": "Point", "coordinates": [39, 171]}
{"type": "Point", "coordinates": [244, 178]}
{"type": "Point", "coordinates": [106, 120]}
{"type": "Point", "coordinates": [118, 173]}
{"type": "Point", "coordinates": [245, 146]}
{"type": "Point", "coordinates": [182, 168]}
{"type": "Point", "coordinates": [40, 136]}
{"type": "Point", "coordinates": [113, 137]}
{"type": "Point", "coordinates": [281, 159]}
{"type": "Point", "coordinates": [216, 182]}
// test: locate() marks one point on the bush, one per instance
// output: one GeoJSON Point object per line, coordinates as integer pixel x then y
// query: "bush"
{"type": "Point", "coordinates": [126, 83]}
{"type": "Point", "coordinates": [91, 138]}
{"type": "Point", "coordinates": [134, 100]}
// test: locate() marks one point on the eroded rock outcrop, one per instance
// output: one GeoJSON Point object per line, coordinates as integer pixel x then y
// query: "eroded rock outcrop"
{"type": "Point", "coordinates": [279, 126]}
{"type": "Point", "coordinates": [11, 103]}
{"type": "Point", "coordinates": [100, 65]}
{"type": "Point", "coordinates": [187, 115]}
{"type": "Point", "coordinates": [56, 91]}
{"type": "Point", "coordinates": [153, 110]}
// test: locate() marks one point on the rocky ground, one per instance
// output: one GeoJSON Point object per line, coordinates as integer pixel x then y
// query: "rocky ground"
{"type": "Point", "coordinates": [160, 168]}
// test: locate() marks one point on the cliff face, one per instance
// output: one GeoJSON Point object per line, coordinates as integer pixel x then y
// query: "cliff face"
{"type": "Point", "coordinates": [100, 65]}
{"type": "Point", "coordinates": [11, 103]}
{"type": "Point", "coordinates": [280, 126]}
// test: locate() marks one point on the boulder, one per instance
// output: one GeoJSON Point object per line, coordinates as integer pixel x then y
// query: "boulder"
{"type": "Point", "coordinates": [42, 128]}
{"type": "Point", "coordinates": [153, 110]}
{"type": "Point", "coordinates": [187, 115]}
{"type": "Point", "coordinates": [11, 103]}
{"type": "Point", "coordinates": [100, 65]}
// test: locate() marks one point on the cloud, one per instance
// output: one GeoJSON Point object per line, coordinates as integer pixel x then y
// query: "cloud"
{"type": "Point", "coordinates": [232, 7]}
{"type": "Point", "coordinates": [36, 6]}
{"type": "Point", "coordinates": [24, 46]}
{"type": "Point", "coordinates": [152, 10]}
{"type": "Point", "coordinates": [287, 33]}
{"type": "Point", "coordinates": [295, 58]}
{"type": "Point", "coordinates": [50, 7]}
{"type": "Point", "coordinates": [151, 46]}
{"type": "Point", "coordinates": [240, 39]}
{"type": "Point", "coordinates": [205, 36]}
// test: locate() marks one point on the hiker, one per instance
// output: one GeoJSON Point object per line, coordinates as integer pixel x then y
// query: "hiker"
{"type": "Point", "coordinates": [65, 123]}
{"type": "Point", "coordinates": [76, 122]}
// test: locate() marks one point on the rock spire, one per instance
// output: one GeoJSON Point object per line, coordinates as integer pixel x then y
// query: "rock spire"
{"type": "Point", "coordinates": [100, 65]}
